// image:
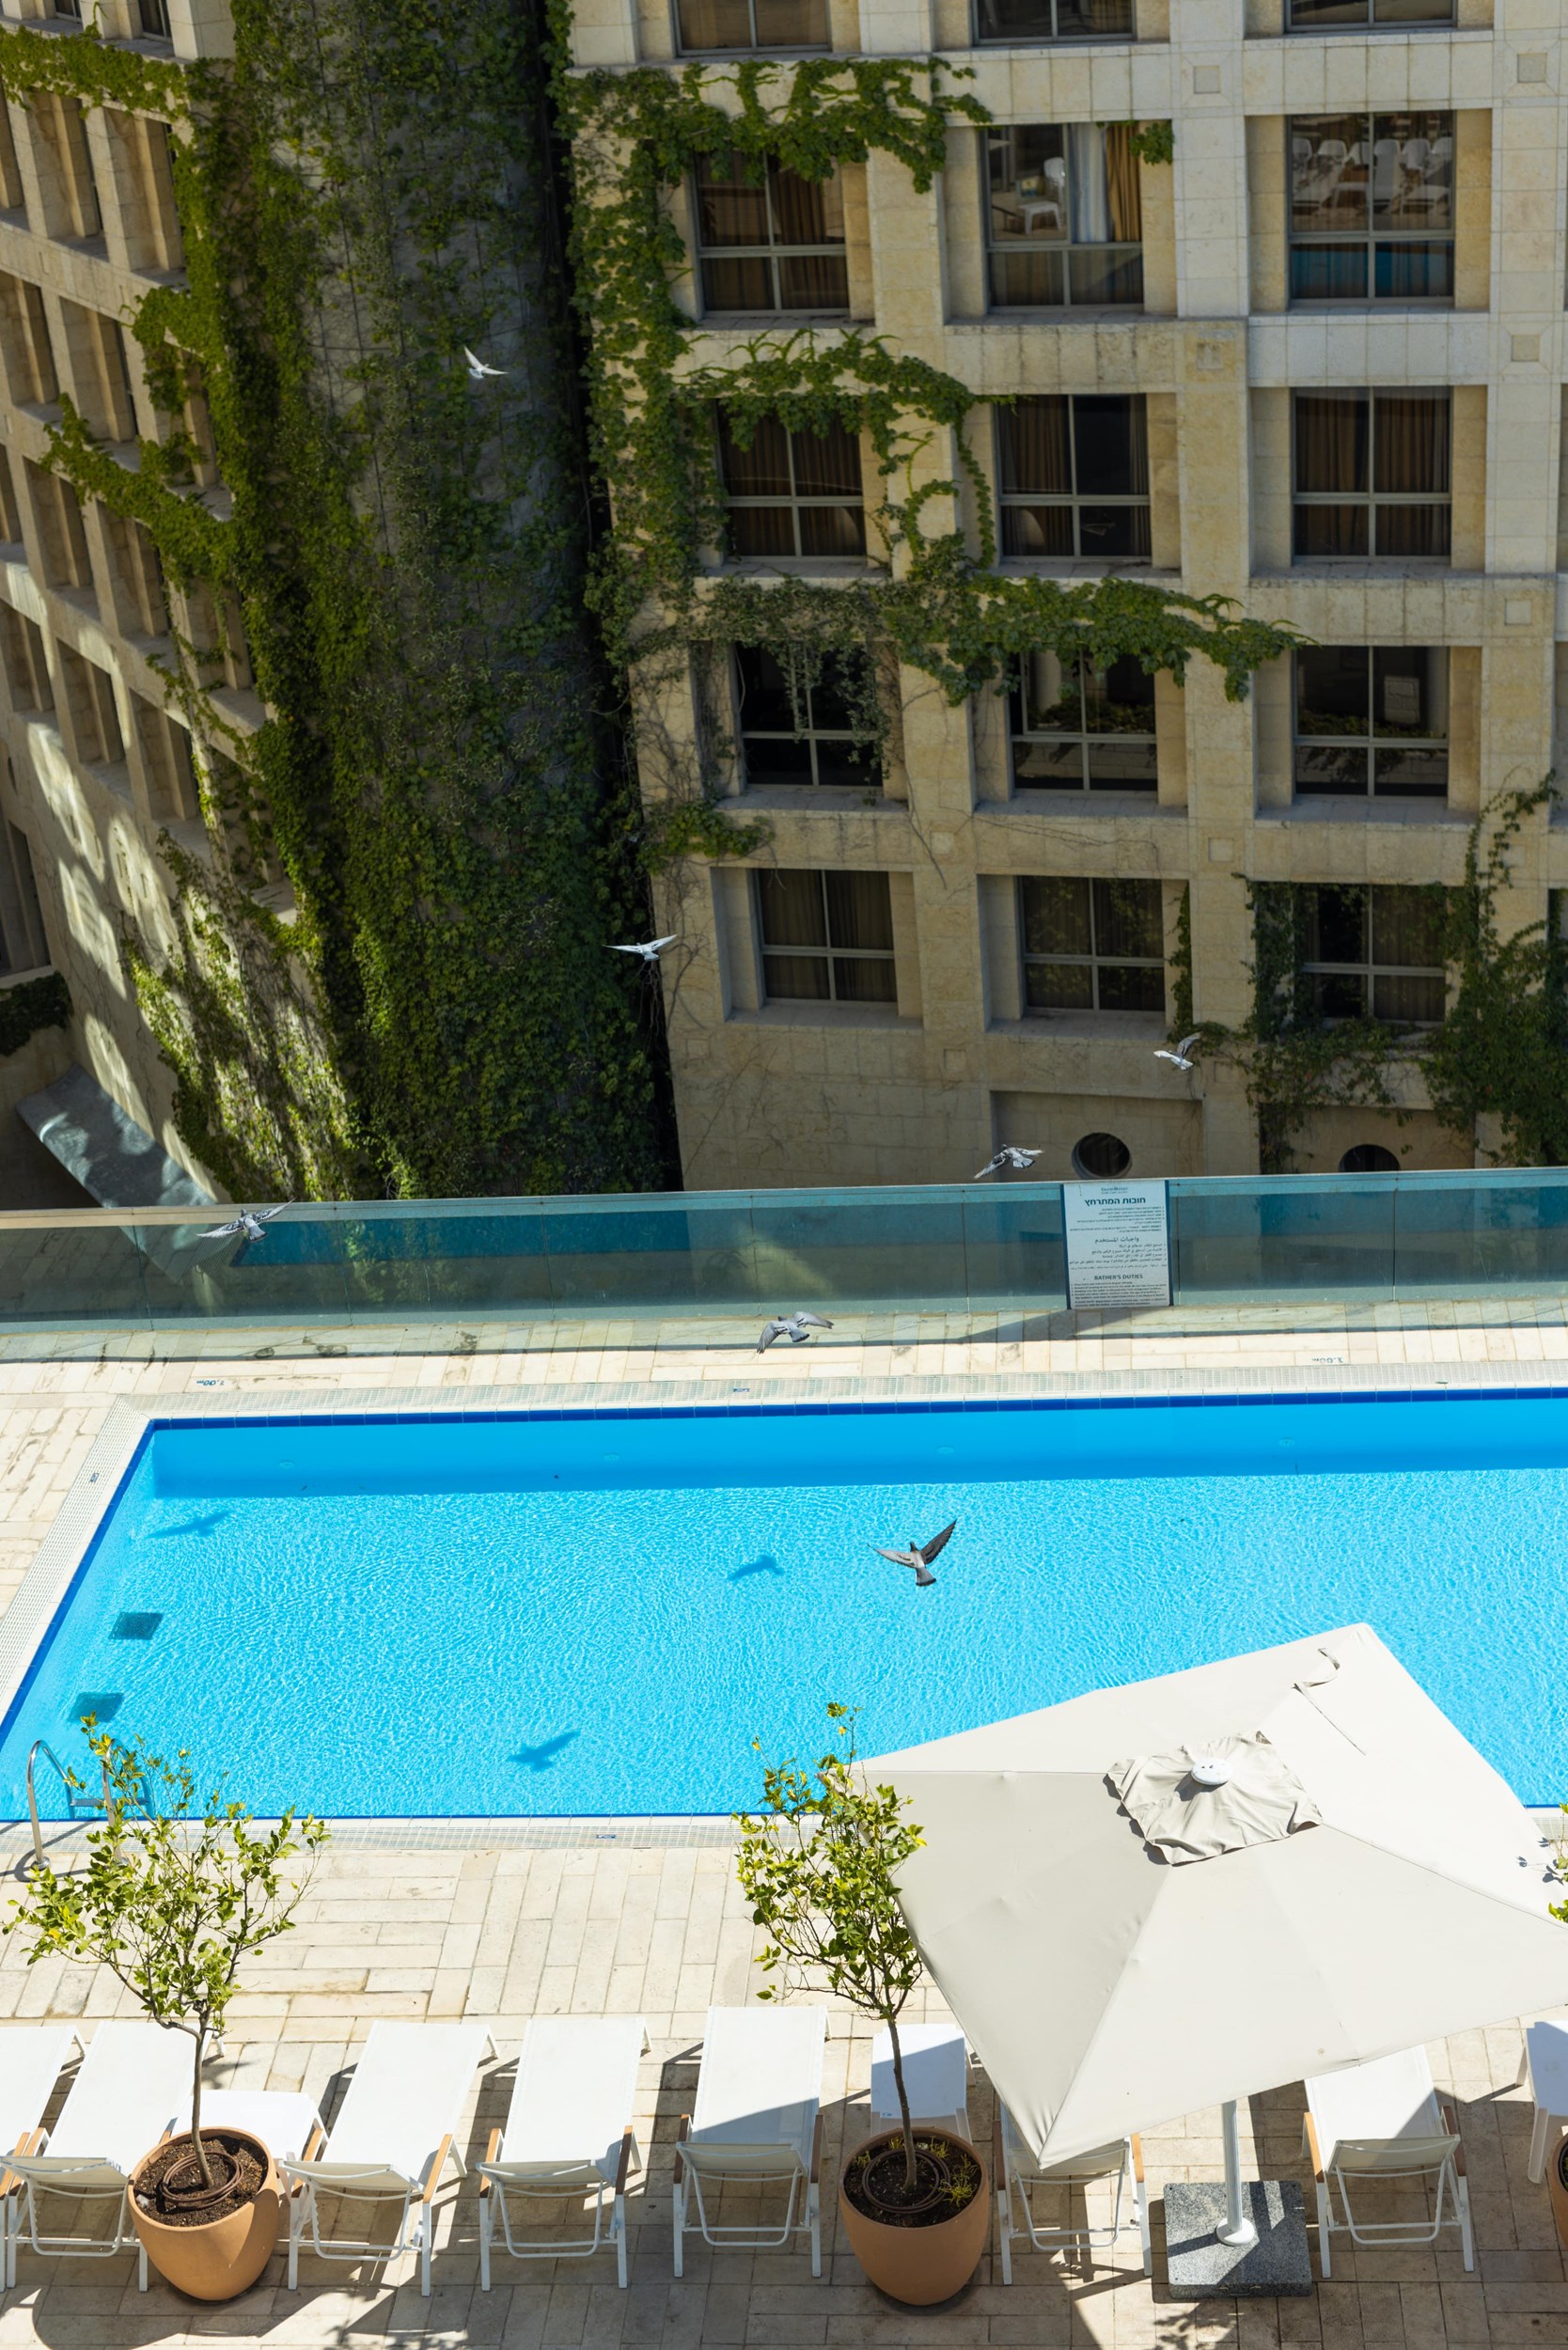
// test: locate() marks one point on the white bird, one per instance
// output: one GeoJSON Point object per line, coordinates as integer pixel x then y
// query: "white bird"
{"type": "Point", "coordinates": [477, 366]}
{"type": "Point", "coordinates": [249, 1221]}
{"type": "Point", "coordinates": [1009, 1156]}
{"type": "Point", "coordinates": [1179, 1059]}
{"type": "Point", "coordinates": [918, 1555]}
{"type": "Point", "coordinates": [797, 1328]}
{"type": "Point", "coordinates": [650, 950]}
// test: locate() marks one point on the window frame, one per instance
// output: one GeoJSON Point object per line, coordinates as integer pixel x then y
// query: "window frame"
{"type": "Point", "coordinates": [1018, 732]}
{"type": "Point", "coordinates": [1370, 23]}
{"type": "Point", "coordinates": [752, 49]}
{"type": "Point", "coordinates": [1370, 742]}
{"type": "Point", "coordinates": [1094, 961]}
{"type": "Point", "coordinates": [1056, 38]}
{"type": "Point", "coordinates": [1372, 498]}
{"type": "Point", "coordinates": [828, 953]}
{"type": "Point", "coordinates": [1370, 970]}
{"type": "Point", "coordinates": [794, 503]}
{"type": "Point", "coordinates": [775, 252]}
{"type": "Point", "coordinates": [809, 737]}
{"type": "Point", "coordinates": [1368, 239]}
{"type": "Point", "coordinates": [994, 251]}
{"type": "Point", "coordinates": [1075, 499]}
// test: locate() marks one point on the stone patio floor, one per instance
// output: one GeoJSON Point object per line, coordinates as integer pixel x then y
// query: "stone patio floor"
{"type": "Point", "coordinates": [506, 1932]}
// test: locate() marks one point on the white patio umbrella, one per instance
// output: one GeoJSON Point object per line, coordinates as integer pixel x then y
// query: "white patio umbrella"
{"type": "Point", "coordinates": [1169, 1896]}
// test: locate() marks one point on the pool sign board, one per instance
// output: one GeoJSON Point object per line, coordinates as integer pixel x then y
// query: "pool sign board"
{"type": "Point", "coordinates": [1118, 1244]}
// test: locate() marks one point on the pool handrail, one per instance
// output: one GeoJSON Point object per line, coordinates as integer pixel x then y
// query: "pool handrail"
{"type": "Point", "coordinates": [76, 1797]}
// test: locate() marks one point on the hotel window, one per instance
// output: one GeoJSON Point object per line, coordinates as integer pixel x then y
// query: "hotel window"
{"type": "Point", "coordinates": [154, 17]}
{"type": "Point", "coordinates": [828, 938]}
{"type": "Point", "coordinates": [1371, 208]}
{"type": "Point", "coordinates": [1077, 729]}
{"type": "Point", "coordinates": [1375, 952]}
{"type": "Point", "coordinates": [1064, 217]}
{"type": "Point", "coordinates": [1054, 20]}
{"type": "Point", "coordinates": [794, 494]}
{"type": "Point", "coordinates": [1074, 475]}
{"type": "Point", "coordinates": [775, 243]}
{"type": "Point", "coordinates": [1092, 945]}
{"type": "Point", "coordinates": [1371, 475]}
{"type": "Point", "coordinates": [804, 730]}
{"type": "Point", "coordinates": [770, 25]}
{"type": "Point", "coordinates": [24, 945]}
{"type": "Point", "coordinates": [1322, 16]}
{"type": "Point", "coordinates": [1372, 721]}
{"type": "Point", "coordinates": [27, 661]}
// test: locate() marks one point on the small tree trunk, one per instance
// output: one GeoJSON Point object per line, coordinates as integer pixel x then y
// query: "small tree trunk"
{"type": "Point", "coordinates": [909, 2163]}
{"type": "Point", "coordinates": [202, 2164]}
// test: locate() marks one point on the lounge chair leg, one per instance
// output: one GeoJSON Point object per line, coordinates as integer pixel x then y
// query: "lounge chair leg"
{"type": "Point", "coordinates": [295, 2221]}
{"type": "Point", "coordinates": [141, 2268]}
{"type": "Point", "coordinates": [814, 2214]}
{"type": "Point", "coordinates": [425, 2255]}
{"type": "Point", "coordinates": [617, 2224]}
{"type": "Point", "coordinates": [1466, 2233]}
{"type": "Point", "coordinates": [1325, 2262]}
{"type": "Point", "coordinates": [1004, 2235]}
{"type": "Point", "coordinates": [485, 2239]}
{"type": "Point", "coordinates": [679, 2227]}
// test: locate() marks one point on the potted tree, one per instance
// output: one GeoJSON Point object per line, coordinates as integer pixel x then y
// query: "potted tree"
{"type": "Point", "coordinates": [174, 1897]}
{"type": "Point", "coordinates": [818, 1864]}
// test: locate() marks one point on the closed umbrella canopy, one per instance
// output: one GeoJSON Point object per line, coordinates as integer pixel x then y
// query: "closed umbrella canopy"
{"type": "Point", "coordinates": [1123, 1944]}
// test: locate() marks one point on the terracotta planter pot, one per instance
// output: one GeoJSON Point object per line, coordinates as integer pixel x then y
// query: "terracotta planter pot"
{"type": "Point", "coordinates": [1556, 2155]}
{"type": "Point", "coordinates": [920, 2265]}
{"type": "Point", "coordinates": [221, 2257]}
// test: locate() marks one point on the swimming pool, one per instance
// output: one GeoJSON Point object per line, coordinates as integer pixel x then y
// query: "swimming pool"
{"type": "Point", "coordinates": [596, 1613]}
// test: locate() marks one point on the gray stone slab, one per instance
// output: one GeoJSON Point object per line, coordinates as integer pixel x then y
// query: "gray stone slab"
{"type": "Point", "coordinates": [1199, 2267]}
{"type": "Point", "coordinates": [104, 1148]}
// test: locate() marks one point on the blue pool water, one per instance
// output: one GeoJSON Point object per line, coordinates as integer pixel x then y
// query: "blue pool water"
{"type": "Point", "coordinates": [598, 1614]}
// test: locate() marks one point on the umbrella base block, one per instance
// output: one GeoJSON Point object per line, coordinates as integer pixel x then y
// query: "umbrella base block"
{"type": "Point", "coordinates": [1199, 2267]}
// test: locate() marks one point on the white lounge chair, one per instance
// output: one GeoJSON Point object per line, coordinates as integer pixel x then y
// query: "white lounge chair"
{"type": "Point", "coordinates": [1018, 2174]}
{"type": "Point", "coordinates": [132, 2082]}
{"type": "Point", "coordinates": [389, 2143]}
{"type": "Point", "coordinates": [568, 2133]}
{"type": "Point", "coordinates": [757, 2122]}
{"type": "Point", "coordinates": [1380, 2123]}
{"type": "Point", "coordinates": [32, 2058]}
{"type": "Point", "coordinates": [936, 2060]}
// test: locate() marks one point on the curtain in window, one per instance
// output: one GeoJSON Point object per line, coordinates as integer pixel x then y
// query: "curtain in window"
{"type": "Point", "coordinates": [1411, 444]}
{"type": "Point", "coordinates": [1127, 918]}
{"type": "Point", "coordinates": [828, 464]}
{"type": "Point", "coordinates": [1123, 186]}
{"type": "Point", "coordinates": [1032, 436]}
{"type": "Point", "coordinates": [860, 911]}
{"type": "Point", "coordinates": [1087, 183]}
{"type": "Point", "coordinates": [761, 471]}
{"type": "Point", "coordinates": [1331, 442]}
{"type": "Point", "coordinates": [792, 909]}
{"type": "Point", "coordinates": [1056, 916]}
{"type": "Point", "coordinates": [1407, 928]}
{"type": "Point", "coordinates": [807, 212]}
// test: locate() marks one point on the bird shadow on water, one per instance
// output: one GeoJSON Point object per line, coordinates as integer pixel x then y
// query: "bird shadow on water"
{"type": "Point", "coordinates": [764, 1565]}
{"type": "Point", "coordinates": [208, 1525]}
{"type": "Point", "coordinates": [547, 1753]}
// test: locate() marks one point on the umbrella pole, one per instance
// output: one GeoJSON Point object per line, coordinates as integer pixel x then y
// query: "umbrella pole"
{"type": "Point", "coordinates": [1238, 2229]}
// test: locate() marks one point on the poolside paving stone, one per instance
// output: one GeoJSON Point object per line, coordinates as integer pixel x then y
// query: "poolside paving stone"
{"type": "Point", "coordinates": [462, 1920]}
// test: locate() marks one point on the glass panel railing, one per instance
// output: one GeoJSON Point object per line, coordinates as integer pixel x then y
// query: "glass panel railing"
{"type": "Point", "coordinates": [1281, 1237]}
{"type": "Point", "coordinates": [932, 1249]}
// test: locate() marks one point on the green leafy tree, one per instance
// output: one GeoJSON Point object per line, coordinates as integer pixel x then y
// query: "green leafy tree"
{"type": "Point", "coordinates": [819, 1863]}
{"type": "Point", "coordinates": [174, 1898]}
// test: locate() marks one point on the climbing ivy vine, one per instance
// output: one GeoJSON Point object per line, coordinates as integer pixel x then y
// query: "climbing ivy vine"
{"type": "Point", "coordinates": [364, 189]}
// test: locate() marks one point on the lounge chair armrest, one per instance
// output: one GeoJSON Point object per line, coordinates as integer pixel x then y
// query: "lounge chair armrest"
{"type": "Point", "coordinates": [437, 2169]}
{"type": "Point", "coordinates": [1314, 2153]}
{"type": "Point", "coordinates": [314, 2143]}
{"type": "Point", "coordinates": [490, 2153]}
{"type": "Point", "coordinates": [623, 2168]}
{"type": "Point", "coordinates": [1450, 2112]}
{"type": "Point", "coordinates": [30, 2142]}
{"type": "Point", "coordinates": [1137, 2144]}
{"type": "Point", "coordinates": [680, 2137]}
{"type": "Point", "coordinates": [817, 2148]}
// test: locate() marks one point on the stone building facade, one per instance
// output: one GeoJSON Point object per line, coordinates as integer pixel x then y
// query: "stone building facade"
{"type": "Point", "coordinates": [1316, 365]}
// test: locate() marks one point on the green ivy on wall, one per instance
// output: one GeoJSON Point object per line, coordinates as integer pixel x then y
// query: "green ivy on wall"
{"type": "Point", "coordinates": [364, 189]}
{"type": "Point", "coordinates": [33, 1005]}
{"type": "Point", "coordinates": [933, 606]}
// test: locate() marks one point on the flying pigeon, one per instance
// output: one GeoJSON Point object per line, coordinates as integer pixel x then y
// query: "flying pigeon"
{"type": "Point", "coordinates": [797, 1328]}
{"type": "Point", "coordinates": [1179, 1059]}
{"type": "Point", "coordinates": [650, 950]}
{"type": "Point", "coordinates": [477, 366]}
{"type": "Point", "coordinates": [249, 1221]}
{"type": "Point", "coordinates": [1009, 1156]}
{"type": "Point", "coordinates": [919, 1555]}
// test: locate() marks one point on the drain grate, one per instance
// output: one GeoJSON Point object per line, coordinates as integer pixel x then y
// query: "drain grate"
{"type": "Point", "coordinates": [133, 1626]}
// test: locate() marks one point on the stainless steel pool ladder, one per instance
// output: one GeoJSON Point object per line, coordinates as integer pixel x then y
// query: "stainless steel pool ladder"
{"type": "Point", "coordinates": [76, 1800]}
